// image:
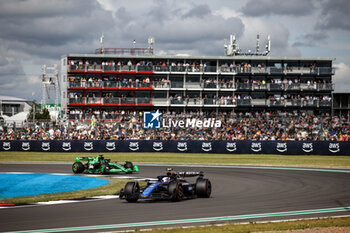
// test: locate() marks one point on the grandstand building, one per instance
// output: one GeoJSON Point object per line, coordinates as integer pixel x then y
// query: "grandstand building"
{"type": "Point", "coordinates": [341, 104]}
{"type": "Point", "coordinates": [135, 79]}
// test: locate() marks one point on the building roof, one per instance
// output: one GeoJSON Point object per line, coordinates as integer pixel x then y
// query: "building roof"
{"type": "Point", "coordinates": [182, 56]}
{"type": "Point", "coordinates": [11, 98]}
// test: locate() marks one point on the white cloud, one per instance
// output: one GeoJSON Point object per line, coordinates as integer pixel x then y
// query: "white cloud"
{"type": "Point", "coordinates": [108, 6]}
{"type": "Point", "coordinates": [32, 79]}
{"type": "Point", "coordinates": [342, 77]}
{"type": "Point", "coordinates": [257, 8]}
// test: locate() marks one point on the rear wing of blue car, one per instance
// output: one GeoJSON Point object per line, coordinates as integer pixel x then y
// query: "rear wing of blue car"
{"type": "Point", "coordinates": [191, 174]}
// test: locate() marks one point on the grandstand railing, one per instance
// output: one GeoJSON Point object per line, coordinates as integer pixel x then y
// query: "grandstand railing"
{"type": "Point", "coordinates": [200, 69]}
{"type": "Point", "coordinates": [205, 84]}
{"type": "Point", "coordinates": [184, 101]}
{"type": "Point", "coordinates": [109, 101]}
{"type": "Point", "coordinates": [286, 87]}
{"type": "Point", "coordinates": [132, 51]}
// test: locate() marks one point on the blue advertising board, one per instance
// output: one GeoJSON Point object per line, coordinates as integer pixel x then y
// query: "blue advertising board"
{"type": "Point", "coordinates": [191, 146]}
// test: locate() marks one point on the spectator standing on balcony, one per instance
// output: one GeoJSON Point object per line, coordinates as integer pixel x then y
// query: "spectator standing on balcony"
{"type": "Point", "coordinates": [147, 82]}
{"type": "Point", "coordinates": [245, 67]}
{"type": "Point", "coordinates": [179, 99]}
{"type": "Point", "coordinates": [89, 82]}
{"type": "Point", "coordinates": [72, 65]}
{"type": "Point", "coordinates": [71, 95]}
{"type": "Point", "coordinates": [129, 65]}
{"type": "Point", "coordinates": [104, 66]}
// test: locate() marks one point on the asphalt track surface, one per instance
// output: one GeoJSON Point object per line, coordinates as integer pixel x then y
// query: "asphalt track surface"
{"type": "Point", "coordinates": [236, 191]}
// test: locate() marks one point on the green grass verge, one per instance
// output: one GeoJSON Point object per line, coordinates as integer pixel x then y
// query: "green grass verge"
{"type": "Point", "coordinates": [193, 158]}
{"type": "Point", "coordinates": [113, 187]}
{"type": "Point", "coordinates": [261, 227]}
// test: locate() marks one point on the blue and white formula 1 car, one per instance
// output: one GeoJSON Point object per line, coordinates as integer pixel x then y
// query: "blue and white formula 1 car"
{"type": "Point", "coordinates": [173, 187]}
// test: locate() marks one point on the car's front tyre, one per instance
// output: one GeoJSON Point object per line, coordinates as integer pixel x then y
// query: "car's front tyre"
{"type": "Point", "coordinates": [176, 191]}
{"type": "Point", "coordinates": [78, 167]}
{"type": "Point", "coordinates": [129, 165]}
{"type": "Point", "coordinates": [132, 191]}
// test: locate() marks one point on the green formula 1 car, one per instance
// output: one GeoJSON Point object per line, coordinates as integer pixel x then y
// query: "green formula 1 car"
{"type": "Point", "coordinates": [101, 165]}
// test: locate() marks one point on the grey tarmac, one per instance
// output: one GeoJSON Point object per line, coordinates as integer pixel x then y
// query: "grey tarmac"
{"type": "Point", "coordinates": [237, 191]}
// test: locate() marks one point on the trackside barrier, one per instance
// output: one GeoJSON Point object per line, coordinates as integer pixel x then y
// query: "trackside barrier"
{"type": "Point", "coordinates": [222, 147]}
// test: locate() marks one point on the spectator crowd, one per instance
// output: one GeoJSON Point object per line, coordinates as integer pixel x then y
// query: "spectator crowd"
{"type": "Point", "coordinates": [128, 125]}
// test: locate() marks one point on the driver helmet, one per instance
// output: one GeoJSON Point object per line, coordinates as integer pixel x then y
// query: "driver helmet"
{"type": "Point", "coordinates": [170, 172]}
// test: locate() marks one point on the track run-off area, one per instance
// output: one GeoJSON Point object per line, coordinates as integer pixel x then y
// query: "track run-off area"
{"type": "Point", "coordinates": [240, 194]}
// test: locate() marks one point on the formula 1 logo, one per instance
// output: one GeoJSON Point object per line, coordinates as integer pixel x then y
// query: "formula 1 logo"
{"type": "Point", "coordinates": [334, 147]}
{"type": "Point", "coordinates": [157, 146]}
{"type": "Point", "coordinates": [6, 145]}
{"type": "Point", "coordinates": [206, 146]}
{"type": "Point", "coordinates": [66, 146]}
{"type": "Point", "coordinates": [152, 120]}
{"type": "Point", "coordinates": [25, 145]}
{"type": "Point", "coordinates": [281, 147]}
{"type": "Point", "coordinates": [182, 146]}
{"type": "Point", "coordinates": [256, 146]}
{"type": "Point", "coordinates": [110, 146]}
{"type": "Point", "coordinates": [134, 146]}
{"type": "Point", "coordinates": [88, 146]}
{"type": "Point", "coordinates": [231, 146]}
{"type": "Point", "coordinates": [45, 146]}
{"type": "Point", "coordinates": [307, 147]}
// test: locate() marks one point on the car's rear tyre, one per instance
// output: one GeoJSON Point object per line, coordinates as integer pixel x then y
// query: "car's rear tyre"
{"type": "Point", "coordinates": [129, 165]}
{"type": "Point", "coordinates": [203, 188]}
{"type": "Point", "coordinates": [132, 191]}
{"type": "Point", "coordinates": [78, 167]}
{"type": "Point", "coordinates": [104, 168]}
{"type": "Point", "coordinates": [176, 191]}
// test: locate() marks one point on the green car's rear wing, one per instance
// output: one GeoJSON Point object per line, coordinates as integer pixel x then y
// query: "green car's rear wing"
{"type": "Point", "coordinates": [79, 159]}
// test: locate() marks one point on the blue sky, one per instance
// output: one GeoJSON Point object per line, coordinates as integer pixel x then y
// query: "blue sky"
{"type": "Point", "coordinates": [37, 32]}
